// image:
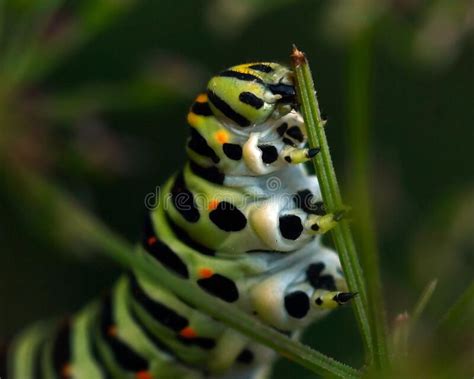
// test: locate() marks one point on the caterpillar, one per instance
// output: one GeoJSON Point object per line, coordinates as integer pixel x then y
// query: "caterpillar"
{"type": "Point", "coordinates": [242, 221]}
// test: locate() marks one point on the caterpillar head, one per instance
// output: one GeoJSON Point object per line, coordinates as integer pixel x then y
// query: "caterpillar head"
{"type": "Point", "coordinates": [248, 94]}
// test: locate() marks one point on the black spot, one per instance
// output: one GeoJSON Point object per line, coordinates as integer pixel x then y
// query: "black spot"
{"type": "Point", "coordinates": [304, 200]}
{"type": "Point", "coordinates": [318, 281]}
{"type": "Point", "coordinates": [201, 109]}
{"type": "Point", "coordinates": [288, 141]}
{"type": "Point", "coordinates": [250, 99]}
{"type": "Point", "coordinates": [291, 227]}
{"type": "Point", "coordinates": [155, 340]}
{"type": "Point", "coordinates": [62, 347]}
{"type": "Point", "coordinates": [186, 239]}
{"type": "Point", "coordinates": [198, 144]}
{"type": "Point", "coordinates": [160, 312]}
{"type": "Point", "coordinates": [232, 151]}
{"type": "Point", "coordinates": [319, 301]}
{"type": "Point", "coordinates": [228, 218]}
{"type": "Point", "coordinates": [261, 67]}
{"type": "Point", "coordinates": [281, 130]}
{"type": "Point", "coordinates": [202, 342]}
{"type": "Point", "coordinates": [162, 252]}
{"type": "Point", "coordinates": [296, 133]}
{"type": "Point", "coordinates": [245, 356]}
{"type": "Point", "coordinates": [269, 153]}
{"type": "Point", "coordinates": [241, 76]}
{"type": "Point", "coordinates": [297, 304]}
{"type": "Point", "coordinates": [211, 174]}
{"type": "Point", "coordinates": [227, 110]}
{"type": "Point", "coordinates": [183, 199]}
{"type": "Point", "coordinates": [124, 355]}
{"type": "Point", "coordinates": [220, 286]}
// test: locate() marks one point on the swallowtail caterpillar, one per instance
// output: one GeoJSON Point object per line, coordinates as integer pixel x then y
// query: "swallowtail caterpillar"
{"type": "Point", "coordinates": [252, 240]}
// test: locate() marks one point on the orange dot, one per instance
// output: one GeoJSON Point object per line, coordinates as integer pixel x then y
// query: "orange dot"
{"type": "Point", "coordinates": [213, 204]}
{"type": "Point", "coordinates": [112, 330]}
{"type": "Point", "coordinates": [188, 332]}
{"type": "Point", "coordinates": [66, 371]}
{"type": "Point", "coordinates": [222, 136]}
{"type": "Point", "coordinates": [193, 119]}
{"type": "Point", "coordinates": [202, 98]}
{"type": "Point", "coordinates": [151, 240]}
{"type": "Point", "coordinates": [143, 375]}
{"type": "Point", "coordinates": [205, 272]}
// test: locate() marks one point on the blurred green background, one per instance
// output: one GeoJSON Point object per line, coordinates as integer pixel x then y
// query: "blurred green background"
{"type": "Point", "coordinates": [94, 94]}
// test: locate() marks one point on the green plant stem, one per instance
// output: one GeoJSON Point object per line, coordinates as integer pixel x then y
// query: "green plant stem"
{"type": "Point", "coordinates": [332, 196]}
{"type": "Point", "coordinates": [460, 314]}
{"type": "Point", "coordinates": [422, 302]}
{"type": "Point", "coordinates": [65, 216]}
{"type": "Point", "coordinates": [358, 105]}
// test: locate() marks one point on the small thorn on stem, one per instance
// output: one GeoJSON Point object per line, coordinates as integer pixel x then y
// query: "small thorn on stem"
{"type": "Point", "coordinates": [297, 56]}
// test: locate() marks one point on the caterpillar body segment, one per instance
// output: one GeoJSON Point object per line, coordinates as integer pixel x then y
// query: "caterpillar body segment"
{"type": "Point", "coordinates": [241, 221]}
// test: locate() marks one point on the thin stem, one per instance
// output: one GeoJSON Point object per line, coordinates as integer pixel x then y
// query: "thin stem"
{"type": "Point", "coordinates": [358, 104]}
{"type": "Point", "coordinates": [460, 313]}
{"type": "Point", "coordinates": [332, 196]}
{"type": "Point", "coordinates": [422, 302]}
{"type": "Point", "coordinates": [67, 217]}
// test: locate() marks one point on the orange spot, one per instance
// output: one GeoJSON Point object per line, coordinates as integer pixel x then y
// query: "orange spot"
{"type": "Point", "coordinates": [143, 375]}
{"type": "Point", "coordinates": [193, 119]}
{"type": "Point", "coordinates": [213, 204]}
{"type": "Point", "coordinates": [205, 272]}
{"type": "Point", "coordinates": [202, 98]}
{"type": "Point", "coordinates": [151, 240]}
{"type": "Point", "coordinates": [112, 330]}
{"type": "Point", "coordinates": [188, 332]}
{"type": "Point", "coordinates": [66, 371]}
{"type": "Point", "coordinates": [222, 136]}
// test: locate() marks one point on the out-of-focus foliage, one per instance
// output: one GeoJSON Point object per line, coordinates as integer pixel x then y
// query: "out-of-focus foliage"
{"type": "Point", "coordinates": [93, 96]}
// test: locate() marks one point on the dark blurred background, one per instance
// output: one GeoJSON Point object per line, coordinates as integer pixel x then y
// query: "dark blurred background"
{"type": "Point", "coordinates": [93, 99]}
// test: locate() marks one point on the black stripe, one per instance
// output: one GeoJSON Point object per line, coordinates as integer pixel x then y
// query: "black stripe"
{"type": "Point", "coordinates": [286, 91]}
{"type": "Point", "coordinates": [162, 252]}
{"type": "Point", "coordinates": [128, 359]}
{"type": "Point", "coordinates": [250, 99]}
{"type": "Point", "coordinates": [186, 239]}
{"type": "Point", "coordinates": [211, 174]}
{"type": "Point", "coordinates": [160, 312]}
{"type": "Point", "coordinates": [94, 351]}
{"type": "Point", "coordinates": [183, 199]}
{"type": "Point", "coordinates": [201, 109]}
{"type": "Point", "coordinates": [241, 76]}
{"type": "Point", "coordinates": [203, 342]}
{"type": "Point", "coordinates": [227, 110]}
{"type": "Point", "coordinates": [155, 340]}
{"type": "Point", "coordinates": [62, 347]}
{"type": "Point", "coordinates": [261, 67]}
{"type": "Point", "coordinates": [199, 144]}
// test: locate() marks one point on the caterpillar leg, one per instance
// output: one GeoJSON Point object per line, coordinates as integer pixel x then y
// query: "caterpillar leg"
{"type": "Point", "coordinates": [295, 155]}
{"type": "Point", "coordinates": [296, 293]}
{"type": "Point", "coordinates": [316, 224]}
{"type": "Point", "coordinates": [324, 299]}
